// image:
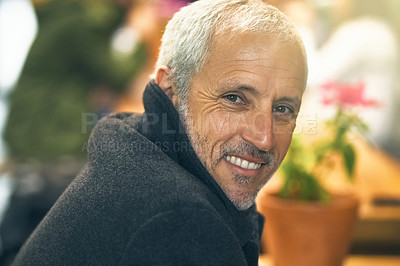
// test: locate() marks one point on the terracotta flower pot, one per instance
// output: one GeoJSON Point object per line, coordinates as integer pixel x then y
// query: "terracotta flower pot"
{"type": "Point", "coordinates": [300, 233]}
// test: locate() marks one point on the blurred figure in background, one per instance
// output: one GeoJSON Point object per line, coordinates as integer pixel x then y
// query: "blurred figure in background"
{"type": "Point", "coordinates": [69, 60]}
{"type": "Point", "coordinates": [84, 51]}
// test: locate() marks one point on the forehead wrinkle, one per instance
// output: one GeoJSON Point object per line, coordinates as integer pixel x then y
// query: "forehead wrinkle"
{"type": "Point", "coordinates": [238, 81]}
{"type": "Point", "coordinates": [257, 62]}
{"type": "Point", "coordinates": [231, 72]}
{"type": "Point", "coordinates": [248, 59]}
{"type": "Point", "coordinates": [239, 62]}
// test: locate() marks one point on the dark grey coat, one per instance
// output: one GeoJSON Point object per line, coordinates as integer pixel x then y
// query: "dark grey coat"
{"type": "Point", "coordinates": [144, 198]}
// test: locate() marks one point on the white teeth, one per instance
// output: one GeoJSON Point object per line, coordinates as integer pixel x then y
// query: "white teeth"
{"type": "Point", "coordinates": [238, 162]}
{"type": "Point", "coordinates": [251, 165]}
{"type": "Point", "coordinates": [242, 163]}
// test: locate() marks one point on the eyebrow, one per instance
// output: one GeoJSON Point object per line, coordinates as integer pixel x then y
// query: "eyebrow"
{"type": "Point", "coordinates": [238, 86]}
{"type": "Point", "coordinates": [246, 88]}
{"type": "Point", "coordinates": [296, 101]}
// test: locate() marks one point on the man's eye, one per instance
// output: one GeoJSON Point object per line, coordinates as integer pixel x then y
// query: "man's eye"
{"type": "Point", "coordinates": [283, 114]}
{"type": "Point", "coordinates": [283, 109]}
{"type": "Point", "coordinates": [234, 98]}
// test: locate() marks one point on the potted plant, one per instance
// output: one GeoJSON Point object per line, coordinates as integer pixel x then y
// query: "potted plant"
{"type": "Point", "coordinates": [305, 223]}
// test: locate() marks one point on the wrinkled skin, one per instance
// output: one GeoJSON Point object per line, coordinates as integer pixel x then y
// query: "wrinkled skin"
{"type": "Point", "coordinates": [243, 105]}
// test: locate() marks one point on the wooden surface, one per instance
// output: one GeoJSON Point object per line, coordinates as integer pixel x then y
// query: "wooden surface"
{"type": "Point", "coordinates": [266, 260]}
{"type": "Point", "coordinates": [377, 175]}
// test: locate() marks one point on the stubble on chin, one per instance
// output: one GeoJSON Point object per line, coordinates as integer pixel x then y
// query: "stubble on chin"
{"type": "Point", "coordinates": [241, 200]}
{"type": "Point", "coordinates": [244, 200]}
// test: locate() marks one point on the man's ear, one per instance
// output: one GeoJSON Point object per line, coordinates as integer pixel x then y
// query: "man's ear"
{"type": "Point", "coordinates": [162, 79]}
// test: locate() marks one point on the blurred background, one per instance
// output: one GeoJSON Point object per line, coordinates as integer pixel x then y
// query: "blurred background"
{"type": "Point", "coordinates": [64, 64]}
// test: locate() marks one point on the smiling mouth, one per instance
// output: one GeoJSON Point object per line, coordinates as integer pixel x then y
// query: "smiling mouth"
{"type": "Point", "coordinates": [243, 163]}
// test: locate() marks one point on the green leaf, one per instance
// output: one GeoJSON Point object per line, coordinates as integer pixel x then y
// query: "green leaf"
{"type": "Point", "coordinates": [321, 150]}
{"type": "Point", "coordinates": [349, 156]}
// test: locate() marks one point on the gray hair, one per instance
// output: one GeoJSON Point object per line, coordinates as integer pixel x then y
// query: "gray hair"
{"type": "Point", "coordinates": [187, 39]}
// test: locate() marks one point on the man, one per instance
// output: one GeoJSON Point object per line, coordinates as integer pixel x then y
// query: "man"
{"type": "Point", "coordinates": [176, 185]}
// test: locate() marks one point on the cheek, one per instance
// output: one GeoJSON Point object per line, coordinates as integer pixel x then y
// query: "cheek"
{"type": "Point", "coordinates": [283, 143]}
{"type": "Point", "coordinates": [219, 124]}
{"type": "Point", "coordinates": [283, 137]}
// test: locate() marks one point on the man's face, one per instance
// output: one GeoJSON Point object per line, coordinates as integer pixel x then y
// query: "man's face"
{"type": "Point", "coordinates": [242, 110]}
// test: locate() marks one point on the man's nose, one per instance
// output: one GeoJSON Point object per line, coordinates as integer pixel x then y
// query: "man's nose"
{"type": "Point", "coordinates": [259, 130]}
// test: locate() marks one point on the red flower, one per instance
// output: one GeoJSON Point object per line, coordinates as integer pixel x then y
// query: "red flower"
{"type": "Point", "coordinates": [167, 8]}
{"type": "Point", "coordinates": [346, 94]}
